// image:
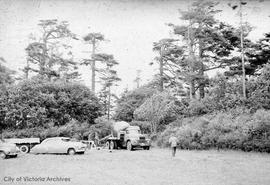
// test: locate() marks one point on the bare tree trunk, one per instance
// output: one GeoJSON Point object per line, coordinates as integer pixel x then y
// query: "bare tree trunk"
{"type": "Point", "coordinates": [27, 69]}
{"type": "Point", "coordinates": [161, 72]}
{"type": "Point", "coordinates": [109, 103]}
{"type": "Point", "coordinates": [93, 67]}
{"type": "Point", "coordinates": [201, 70]}
{"type": "Point", "coordinates": [242, 53]}
{"type": "Point", "coordinates": [191, 57]}
{"type": "Point", "coordinates": [201, 85]}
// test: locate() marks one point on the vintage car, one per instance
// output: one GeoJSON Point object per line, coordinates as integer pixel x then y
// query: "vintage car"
{"type": "Point", "coordinates": [59, 145]}
{"type": "Point", "coordinates": [8, 149]}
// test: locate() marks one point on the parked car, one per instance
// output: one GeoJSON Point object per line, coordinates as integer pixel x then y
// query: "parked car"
{"type": "Point", "coordinates": [57, 145]}
{"type": "Point", "coordinates": [8, 149]}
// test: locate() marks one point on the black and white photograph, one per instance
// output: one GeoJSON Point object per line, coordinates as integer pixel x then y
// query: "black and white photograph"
{"type": "Point", "coordinates": [134, 92]}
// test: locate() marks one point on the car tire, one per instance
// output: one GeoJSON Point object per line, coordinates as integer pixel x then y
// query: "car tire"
{"type": "Point", "coordinates": [146, 147]}
{"type": "Point", "coordinates": [71, 151]}
{"type": "Point", "coordinates": [14, 156]}
{"type": "Point", "coordinates": [129, 146]}
{"type": "Point", "coordinates": [24, 149]}
{"type": "Point", "coordinates": [3, 155]}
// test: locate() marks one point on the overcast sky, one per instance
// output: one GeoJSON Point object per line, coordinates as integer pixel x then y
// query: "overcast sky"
{"type": "Point", "coordinates": [131, 26]}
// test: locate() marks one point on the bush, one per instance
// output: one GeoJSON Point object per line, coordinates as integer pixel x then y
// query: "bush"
{"type": "Point", "coordinates": [197, 107]}
{"type": "Point", "coordinates": [72, 129]}
{"type": "Point", "coordinates": [130, 101]}
{"type": "Point", "coordinates": [102, 128]}
{"type": "Point", "coordinates": [160, 109]}
{"type": "Point", "coordinates": [38, 103]}
{"type": "Point", "coordinates": [236, 129]}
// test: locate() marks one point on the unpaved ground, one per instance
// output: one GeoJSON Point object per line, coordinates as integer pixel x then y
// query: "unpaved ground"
{"type": "Point", "coordinates": [154, 167]}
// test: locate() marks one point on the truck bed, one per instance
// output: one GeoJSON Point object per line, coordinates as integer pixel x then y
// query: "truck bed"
{"type": "Point", "coordinates": [23, 140]}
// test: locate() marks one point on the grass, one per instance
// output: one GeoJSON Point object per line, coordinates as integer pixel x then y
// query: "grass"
{"type": "Point", "coordinates": [153, 167]}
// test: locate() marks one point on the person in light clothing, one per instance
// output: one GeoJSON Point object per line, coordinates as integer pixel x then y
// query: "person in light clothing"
{"type": "Point", "coordinates": [173, 143]}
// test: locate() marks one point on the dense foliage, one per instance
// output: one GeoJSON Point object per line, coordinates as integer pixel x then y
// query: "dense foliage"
{"type": "Point", "coordinates": [229, 110]}
{"type": "Point", "coordinates": [130, 101]}
{"type": "Point", "coordinates": [159, 109]}
{"type": "Point", "coordinates": [36, 103]}
{"type": "Point", "coordinates": [237, 129]}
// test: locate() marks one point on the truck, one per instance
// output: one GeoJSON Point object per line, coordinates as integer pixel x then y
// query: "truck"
{"type": "Point", "coordinates": [127, 137]}
{"type": "Point", "coordinates": [24, 144]}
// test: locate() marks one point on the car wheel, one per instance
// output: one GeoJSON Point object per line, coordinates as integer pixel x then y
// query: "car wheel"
{"type": "Point", "coordinates": [3, 155]}
{"type": "Point", "coordinates": [71, 151]}
{"type": "Point", "coordinates": [14, 156]}
{"type": "Point", "coordinates": [129, 146]}
{"type": "Point", "coordinates": [146, 148]}
{"type": "Point", "coordinates": [24, 149]}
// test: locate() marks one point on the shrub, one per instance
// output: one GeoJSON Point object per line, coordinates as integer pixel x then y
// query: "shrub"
{"type": "Point", "coordinates": [73, 129]}
{"type": "Point", "coordinates": [236, 129]}
{"type": "Point", "coordinates": [130, 101]}
{"type": "Point", "coordinates": [37, 103]}
{"type": "Point", "coordinates": [159, 110]}
{"type": "Point", "coordinates": [197, 107]}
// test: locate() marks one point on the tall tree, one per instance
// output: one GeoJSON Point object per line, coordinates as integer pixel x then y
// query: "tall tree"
{"type": "Point", "coordinates": [235, 6]}
{"type": "Point", "coordinates": [108, 78]}
{"type": "Point", "coordinates": [168, 60]}
{"type": "Point", "coordinates": [210, 43]}
{"type": "Point", "coordinates": [256, 55]}
{"type": "Point", "coordinates": [93, 39]}
{"type": "Point", "coordinates": [51, 52]}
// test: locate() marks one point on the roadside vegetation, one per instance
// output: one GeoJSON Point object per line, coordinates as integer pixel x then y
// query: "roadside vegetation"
{"type": "Point", "coordinates": [230, 110]}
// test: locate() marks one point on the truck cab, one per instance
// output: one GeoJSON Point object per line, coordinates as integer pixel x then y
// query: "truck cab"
{"type": "Point", "coordinates": [131, 138]}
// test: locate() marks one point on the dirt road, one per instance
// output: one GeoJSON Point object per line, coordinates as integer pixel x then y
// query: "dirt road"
{"type": "Point", "coordinates": [154, 167]}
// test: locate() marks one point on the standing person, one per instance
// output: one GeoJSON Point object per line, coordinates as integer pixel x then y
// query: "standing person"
{"type": "Point", "coordinates": [173, 142]}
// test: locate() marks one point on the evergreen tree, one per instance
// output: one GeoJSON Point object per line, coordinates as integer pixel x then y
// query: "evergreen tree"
{"type": "Point", "coordinates": [51, 56]}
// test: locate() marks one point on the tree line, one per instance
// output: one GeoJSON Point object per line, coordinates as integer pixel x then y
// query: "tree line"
{"type": "Point", "coordinates": [182, 94]}
{"type": "Point", "coordinates": [49, 93]}
{"type": "Point", "coordinates": [180, 99]}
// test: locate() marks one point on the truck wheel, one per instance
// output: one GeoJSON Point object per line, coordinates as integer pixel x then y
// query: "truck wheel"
{"type": "Point", "coordinates": [24, 149]}
{"type": "Point", "coordinates": [71, 151]}
{"type": "Point", "coordinates": [129, 146]}
{"type": "Point", "coordinates": [3, 155]}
